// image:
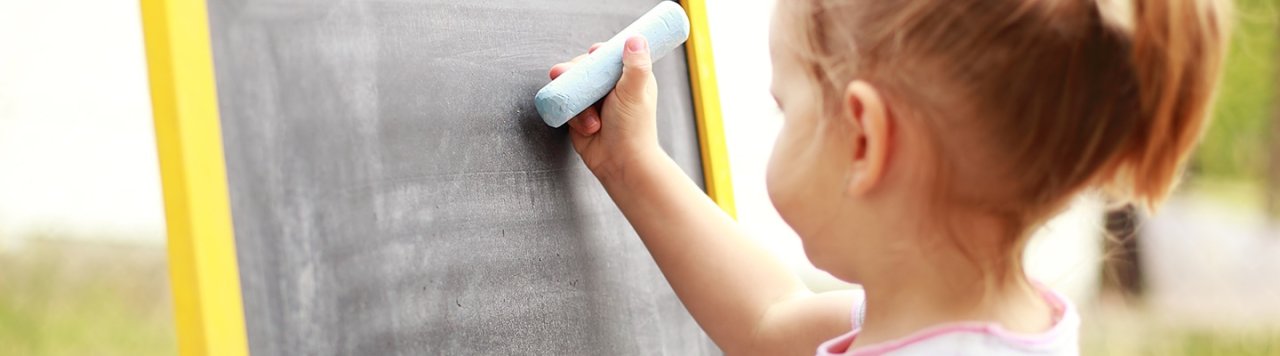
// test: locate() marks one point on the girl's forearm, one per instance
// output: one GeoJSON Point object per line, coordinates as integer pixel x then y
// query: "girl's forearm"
{"type": "Point", "coordinates": [727, 281]}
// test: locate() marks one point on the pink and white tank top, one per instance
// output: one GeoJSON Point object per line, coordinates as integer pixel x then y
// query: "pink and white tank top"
{"type": "Point", "coordinates": [970, 338]}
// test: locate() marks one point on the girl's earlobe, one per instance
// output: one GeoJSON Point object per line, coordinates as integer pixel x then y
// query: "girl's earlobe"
{"type": "Point", "coordinates": [870, 127]}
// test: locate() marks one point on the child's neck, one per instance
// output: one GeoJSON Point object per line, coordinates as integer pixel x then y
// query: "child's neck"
{"type": "Point", "coordinates": [951, 288]}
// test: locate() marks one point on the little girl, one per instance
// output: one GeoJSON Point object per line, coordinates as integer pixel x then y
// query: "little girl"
{"type": "Point", "coordinates": [924, 141]}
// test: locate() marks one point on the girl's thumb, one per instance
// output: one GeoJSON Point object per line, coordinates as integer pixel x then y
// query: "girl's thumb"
{"type": "Point", "coordinates": [636, 85]}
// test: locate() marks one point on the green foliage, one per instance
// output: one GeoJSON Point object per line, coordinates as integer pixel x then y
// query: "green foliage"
{"type": "Point", "coordinates": [85, 298]}
{"type": "Point", "coordinates": [1236, 145]}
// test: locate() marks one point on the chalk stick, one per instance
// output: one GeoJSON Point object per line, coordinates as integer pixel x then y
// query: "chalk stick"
{"type": "Point", "coordinates": [665, 27]}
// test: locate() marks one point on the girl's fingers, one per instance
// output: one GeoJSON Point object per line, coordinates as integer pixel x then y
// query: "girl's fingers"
{"type": "Point", "coordinates": [587, 123]}
{"type": "Point", "coordinates": [558, 69]}
{"type": "Point", "coordinates": [591, 122]}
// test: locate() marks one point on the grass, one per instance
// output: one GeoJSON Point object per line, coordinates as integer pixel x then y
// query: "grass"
{"type": "Point", "coordinates": [1113, 328]}
{"type": "Point", "coordinates": [1173, 342]}
{"type": "Point", "coordinates": [85, 298]}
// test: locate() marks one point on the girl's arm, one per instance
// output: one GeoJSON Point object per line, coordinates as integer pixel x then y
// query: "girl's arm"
{"type": "Point", "coordinates": [743, 296]}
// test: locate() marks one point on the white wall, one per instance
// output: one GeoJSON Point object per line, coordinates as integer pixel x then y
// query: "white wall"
{"type": "Point", "coordinates": [77, 153]}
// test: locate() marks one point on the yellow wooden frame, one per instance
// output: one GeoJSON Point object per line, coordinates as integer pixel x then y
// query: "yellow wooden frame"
{"type": "Point", "coordinates": [203, 269]}
{"type": "Point", "coordinates": [706, 106]}
{"type": "Point", "coordinates": [202, 257]}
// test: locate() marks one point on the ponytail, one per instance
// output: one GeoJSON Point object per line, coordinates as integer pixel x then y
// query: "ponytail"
{"type": "Point", "coordinates": [1178, 50]}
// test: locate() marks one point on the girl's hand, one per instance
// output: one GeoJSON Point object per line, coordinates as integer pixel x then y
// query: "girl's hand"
{"type": "Point", "coordinates": [621, 131]}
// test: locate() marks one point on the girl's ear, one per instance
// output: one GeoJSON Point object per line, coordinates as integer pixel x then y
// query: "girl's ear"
{"type": "Point", "coordinates": [869, 126]}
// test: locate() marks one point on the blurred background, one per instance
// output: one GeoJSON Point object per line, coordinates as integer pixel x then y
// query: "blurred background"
{"type": "Point", "coordinates": [82, 256]}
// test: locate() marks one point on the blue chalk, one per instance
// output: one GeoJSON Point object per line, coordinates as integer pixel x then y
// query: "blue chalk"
{"type": "Point", "coordinates": [665, 27]}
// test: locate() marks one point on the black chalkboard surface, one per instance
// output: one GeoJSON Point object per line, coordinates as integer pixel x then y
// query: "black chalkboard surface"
{"type": "Point", "coordinates": [394, 192]}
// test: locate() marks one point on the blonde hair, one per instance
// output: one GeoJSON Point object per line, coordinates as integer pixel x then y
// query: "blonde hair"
{"type": "Point", "coordinates": [1031, 101]}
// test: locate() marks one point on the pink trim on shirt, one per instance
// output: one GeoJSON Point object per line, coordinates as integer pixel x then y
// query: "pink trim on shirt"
{"type": "Point", "coordinates": [840, 344]}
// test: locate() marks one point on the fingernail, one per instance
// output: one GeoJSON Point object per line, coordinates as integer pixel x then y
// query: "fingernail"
{"type": "Point", "coordinates": [637, 44]}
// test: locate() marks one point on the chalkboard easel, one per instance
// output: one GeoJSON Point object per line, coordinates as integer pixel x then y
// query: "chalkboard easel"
{"type": "Point", "coordinates": [207, 182]}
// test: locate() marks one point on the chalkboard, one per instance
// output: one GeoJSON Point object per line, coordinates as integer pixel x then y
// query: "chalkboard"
{"type": "Point", "coordinates": [394, 192]}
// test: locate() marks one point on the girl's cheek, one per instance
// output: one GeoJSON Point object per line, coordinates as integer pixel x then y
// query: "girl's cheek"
{"type": "Point", "coordinates": [772, 180]}
{"type": "Point", "coordinates": [782, 176]}
{"type": "Point", "coordinates": [783, 197]}
{"type": "Point", "coordinates": [772, 176]}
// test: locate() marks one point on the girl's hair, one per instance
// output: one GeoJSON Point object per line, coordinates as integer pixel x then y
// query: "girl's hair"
{"type": "Point", "coordinates": [1031, 101]}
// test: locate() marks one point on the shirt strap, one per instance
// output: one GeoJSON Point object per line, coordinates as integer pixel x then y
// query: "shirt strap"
{"type": "Point", "coordinates": [860, 313]}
